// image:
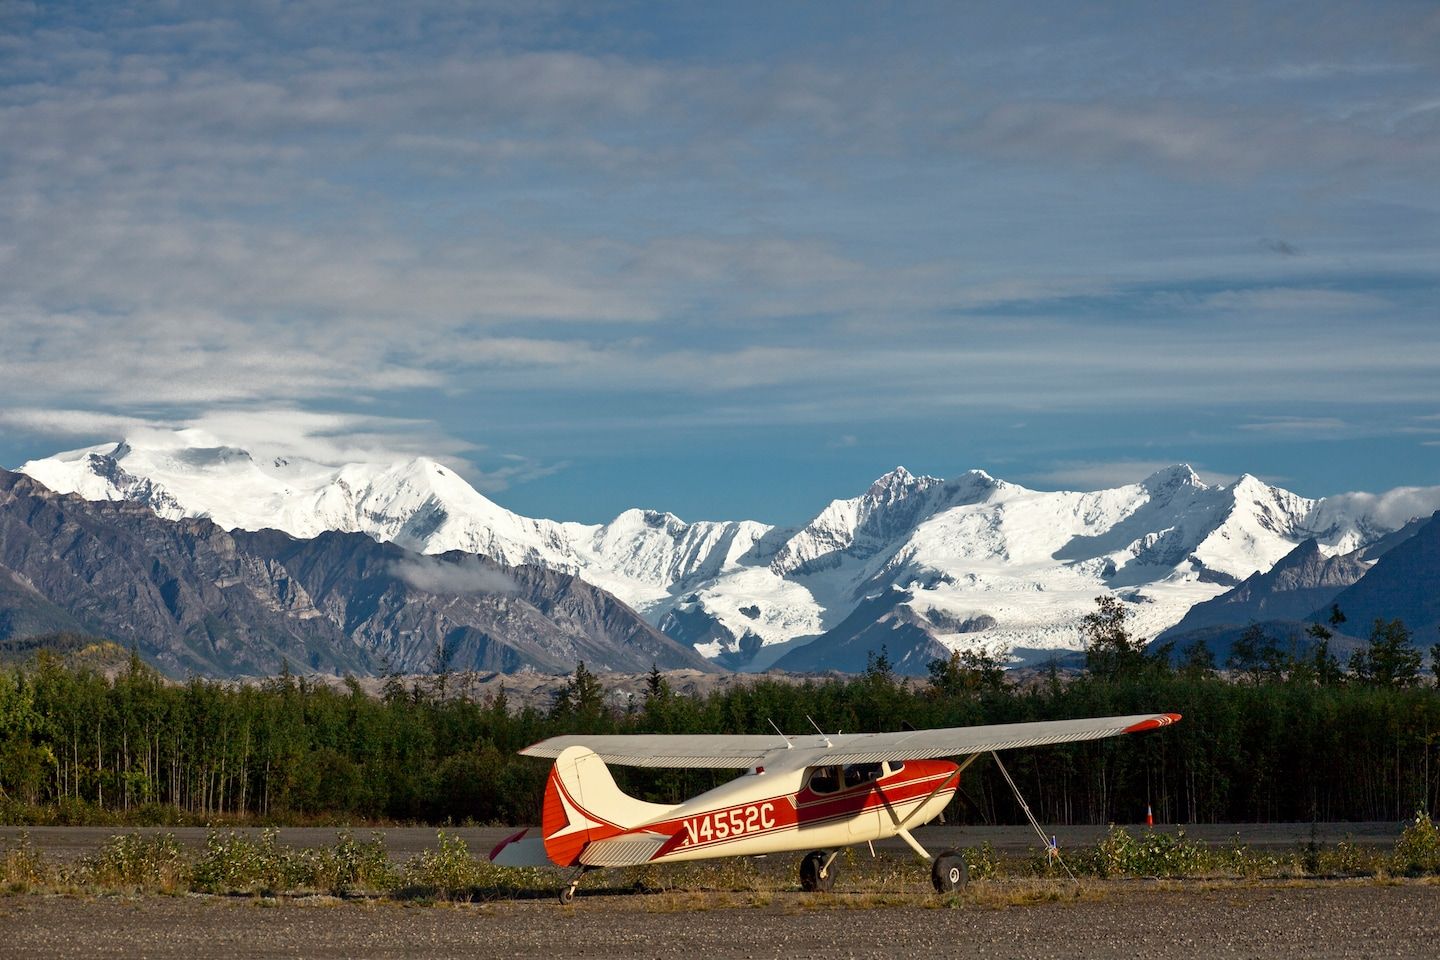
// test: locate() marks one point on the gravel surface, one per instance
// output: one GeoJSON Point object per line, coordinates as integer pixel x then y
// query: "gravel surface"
{"type": "Point", "coordinates": [1331, 919]}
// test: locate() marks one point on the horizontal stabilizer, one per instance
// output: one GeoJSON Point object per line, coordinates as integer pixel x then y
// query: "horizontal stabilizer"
{"type": "Point", "coordinates": [622, 851]}
{"type": "Point", "coordinates": [521, 850]}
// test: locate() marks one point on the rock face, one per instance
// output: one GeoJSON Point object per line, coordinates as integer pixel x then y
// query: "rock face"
{"type": "Point", "coordinates": [881, 624]}
{"type": "Point", "coordinates": [1404, 584]}
{"type": "Point", "coordinates": [194, 597]}
{"type": "Point", "coordinates": [1304, 580]}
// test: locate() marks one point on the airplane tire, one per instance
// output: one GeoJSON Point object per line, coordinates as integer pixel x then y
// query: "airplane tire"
{"type": "Point", "coordinates": [567, 895]}
{"type": "Point", "coordinates": [949, 872]}
{"type": "Point", "coordinates": [811, 878]}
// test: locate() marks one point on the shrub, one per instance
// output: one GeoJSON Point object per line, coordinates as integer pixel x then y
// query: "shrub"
{"type": "Point", "coordinates": [983, 861]}
{"type": "Point", "coordinates": [352, 864]}
{"type": "Point", "coordinates": [1347, 859]}
{"type": "Point", "coordinates": [1149, 855]}
{"type": "Point", "coordinates": [1418, 850]}
{"type": "Point", "coordinates": [239, 863]}
{"type": "Point", "coordinates": [153, 863]}
{"type": "Point", "coordinates": [448, 870]}
{"type": "Point", "coordinates": [23, 867]}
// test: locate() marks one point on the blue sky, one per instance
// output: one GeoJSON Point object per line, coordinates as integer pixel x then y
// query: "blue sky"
{"type": "Point", "coordinates": [730, 260]}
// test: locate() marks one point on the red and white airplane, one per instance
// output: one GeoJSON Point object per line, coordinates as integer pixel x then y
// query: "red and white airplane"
{"type": "Point", "coordinates": [815, 792]}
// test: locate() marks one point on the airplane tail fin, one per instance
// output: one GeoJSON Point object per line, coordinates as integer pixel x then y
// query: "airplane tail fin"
{"type": "Point", "coordinates": [583, 804]}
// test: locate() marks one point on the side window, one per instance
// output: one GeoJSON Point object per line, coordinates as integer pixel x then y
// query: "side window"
{"type": "Point", "coordinates": [894, 766]}
{"type": "Point", "coordinates": [825, 779]}
{"type": "Point", "coordinates": [858, 773]}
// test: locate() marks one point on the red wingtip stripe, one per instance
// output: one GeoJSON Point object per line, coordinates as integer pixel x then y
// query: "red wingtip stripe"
{"type": "Point", "coordinates": [1154, 723]}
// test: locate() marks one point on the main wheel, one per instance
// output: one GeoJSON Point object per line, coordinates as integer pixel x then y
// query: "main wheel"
{"type": "Point", "coordinates": [949, 872]}
{"type": "Point", "coordinates": [814, 878]}
{"type": "Point", "coordinates": [567, 894]}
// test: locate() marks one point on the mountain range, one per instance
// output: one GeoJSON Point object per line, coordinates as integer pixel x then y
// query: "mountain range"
{"type": "Point", "coordinates": [194, 597]}
{"type": "Point", "coordinates": [918, 564]}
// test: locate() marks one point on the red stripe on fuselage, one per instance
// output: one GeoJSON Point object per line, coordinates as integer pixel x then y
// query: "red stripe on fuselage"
{"type": "Point", "coordinates": [710, 828]}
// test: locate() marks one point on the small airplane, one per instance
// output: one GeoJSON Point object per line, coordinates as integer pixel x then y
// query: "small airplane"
{"type": "Point", "coordinates": [819, 793]}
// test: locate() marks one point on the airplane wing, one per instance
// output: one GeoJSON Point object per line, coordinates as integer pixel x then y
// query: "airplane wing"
{"type": "Point", "coordinates": [667, 749]}
{"type": "Point", "coordinates": [715, 750]}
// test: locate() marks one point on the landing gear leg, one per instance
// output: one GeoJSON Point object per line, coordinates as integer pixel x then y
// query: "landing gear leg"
{"type": "Point", "coordinates": [817, 871]}
{"type": "Point", "coordinates": [567, 893]}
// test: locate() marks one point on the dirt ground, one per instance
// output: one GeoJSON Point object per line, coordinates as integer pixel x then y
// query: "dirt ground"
{"type": "Point", "coordinates": [1327, 919]}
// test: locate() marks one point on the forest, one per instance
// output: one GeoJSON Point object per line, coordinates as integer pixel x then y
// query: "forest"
{"type": "Point", "coordinates": [1270, 735]}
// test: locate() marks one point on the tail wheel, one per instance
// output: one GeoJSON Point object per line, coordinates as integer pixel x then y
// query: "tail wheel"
{"type": "Point", "coordinates": [949, 872]}
{"type": "Point", "coordinates": [815, 877]}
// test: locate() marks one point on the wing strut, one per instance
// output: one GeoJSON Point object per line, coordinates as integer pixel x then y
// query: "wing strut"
{"type": "Point", "coordinates": [1053, 849]}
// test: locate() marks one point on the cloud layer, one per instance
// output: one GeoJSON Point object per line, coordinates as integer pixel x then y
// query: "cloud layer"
{"type": "Point", "coordinates": [473, 226]}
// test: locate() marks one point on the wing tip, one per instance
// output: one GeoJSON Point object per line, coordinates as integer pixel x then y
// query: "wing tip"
{"type": "Point", "coordinates": [1153, 723]}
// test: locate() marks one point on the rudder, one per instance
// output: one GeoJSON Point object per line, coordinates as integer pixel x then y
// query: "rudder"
{"type": "Point", "coordinates": [583, 804]}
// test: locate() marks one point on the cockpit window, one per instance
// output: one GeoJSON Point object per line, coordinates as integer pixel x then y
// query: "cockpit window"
{"type": "Point", "coordinates": [895, 766]}
{"type": "Point", "coordinates": [825, 779]}
{"type": "Point", "coordinates": [858, 773]}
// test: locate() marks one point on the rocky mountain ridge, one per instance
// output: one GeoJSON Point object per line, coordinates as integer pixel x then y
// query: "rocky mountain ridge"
{"type": "Point", "coordinates": [194, 597]}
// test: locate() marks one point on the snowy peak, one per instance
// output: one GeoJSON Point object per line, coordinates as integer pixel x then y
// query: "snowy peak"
{"type": "Point", "coordinates": [895, 485]}
{"type": "Point", "coordinates": [877, 521]}
{"type": "Point", "coordinates": [1169, 481]}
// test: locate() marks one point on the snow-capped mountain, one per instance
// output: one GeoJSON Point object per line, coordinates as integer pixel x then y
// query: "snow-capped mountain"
{"type": "Point", "coordinates": [970, 560]}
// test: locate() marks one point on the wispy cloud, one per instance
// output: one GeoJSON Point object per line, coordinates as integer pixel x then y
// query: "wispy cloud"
{"type": "Point", "coordinates": [1105, 474]}
{"type": "Point", "coordinates": [460, 576]}
{"type": "Point", "coordinates": [1298, 426]}
{"type": "Point", "coordinates": [608, 220]}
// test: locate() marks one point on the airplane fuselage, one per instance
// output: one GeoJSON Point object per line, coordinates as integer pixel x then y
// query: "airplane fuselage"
{"type": "Point", "coordinates": [775, 811]}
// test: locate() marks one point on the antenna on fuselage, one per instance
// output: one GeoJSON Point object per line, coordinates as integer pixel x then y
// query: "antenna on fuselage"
{"type": "Point", "coordinates": [788, 744]}
{"type": "Point", "coordinates": [819, 731]}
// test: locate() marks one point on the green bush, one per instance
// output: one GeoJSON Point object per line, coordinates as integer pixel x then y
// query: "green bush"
{"type": "Point", "coordinates": [23, 868]}
{"type": "Point", "coordinates": [1348, 859]}
{"type": "Point", "coordinates": [983, 861]}
{"type": "Point", "coordinates": [1418, 850]}
{"type": "Point", "coordinates": [239, 863]}
{"type": "Point", "coordinates": [352, 865]}
{"type": "Point", "coordinates": [448, 870]}
{"type": "Point", "coordinates": [131, 860]}
{"type": "Point", "coordinates": [1149, 855]}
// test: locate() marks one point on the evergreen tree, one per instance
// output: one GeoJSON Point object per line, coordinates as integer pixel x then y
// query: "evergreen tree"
{"type": "Point", "coordinates": [1110, 651]}
{"type": "Point", "coordinates": [1324, 665]}
{"type": "Point", "coordinates": [581, 701]}
{"type": "Point", "coordinates": [966, 673]}
{"type": "Point", "coordinates": [1197, 658]}
{"type": "Point", "coordinates": [1390, 660]}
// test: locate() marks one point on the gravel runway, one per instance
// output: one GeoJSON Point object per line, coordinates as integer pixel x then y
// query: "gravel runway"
{"type": "Point", "coordinates": [1338, 919]}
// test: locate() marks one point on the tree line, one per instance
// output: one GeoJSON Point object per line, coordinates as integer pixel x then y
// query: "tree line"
{"type": "Point", "coordinates": [1271, 735]}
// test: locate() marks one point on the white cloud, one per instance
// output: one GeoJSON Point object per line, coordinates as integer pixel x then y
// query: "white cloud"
{"type": "Point", "coordinates": [334, 439]}
{"type": "Point", "coordinates": [1393, 508]}
{"type": "Point", "coordinates": [1105, 474]}
{"type": "Point", "coordinates": [465, 575]}
{"type": "Point", "coordinates": [204, 222]}
{"type": "Point", "coordinates": [1298, 426]}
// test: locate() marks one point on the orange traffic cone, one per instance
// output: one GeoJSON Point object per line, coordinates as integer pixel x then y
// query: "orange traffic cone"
{"type": "Point", "coordinates": [1149, 816]}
